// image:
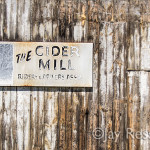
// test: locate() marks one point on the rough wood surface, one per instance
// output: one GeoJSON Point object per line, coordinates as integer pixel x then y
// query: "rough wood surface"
{"type": "Point", "coordinates": [66, 118]}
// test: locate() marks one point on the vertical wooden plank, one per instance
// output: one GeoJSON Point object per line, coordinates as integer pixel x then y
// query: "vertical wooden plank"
{"type": "Point", "coordinates": [106, 82]}
{"type": "Point", "coordinates": [55, 128]}
{"type": "Point", "coordinates": [1, 18]}
{"type": "Point", "coordinates": [11, 19]}
{"type": "Point", "coordinates": [36, 17]}
{"type": "Point", "coordinates": [1, 116]}
{"type": "Point", "coordinates": [139, 47]}
{"type": "Point", "coordinates": [63, 7]}
{"type": "Point", "coordinates": [41, 117]}
{"type": "Point", "coordinates": [62, 119]}
{"type": "Point", "coordinates": [68, 123]}
{"type": "Point", "coordinates": [133, 109]}
{"type": "Point", "coordinates": [80, 118]}
{"type": "Point", "coordinates": [1, 88]}
{"type": "Point", "coordinates": [117, 71]}
{"type": "Point", "coordinates": [13, 118]}
{"type": "Point", "coordinates": [50, 119]}
{"type": "Point", "coordinates": [75, 103]}
{"type": "Point", "coordinates": [20, 122]}
{"type": "Point", "coordinates": [74, 16]}
{"type": "Point", "coordinates": [6, 119]}
{"type": "Point", "coordinates": [23, 118]}
{"type": "Point", "coordinates": [3, 127]}
{"type": "Point", "coordinates": [107, 106]}
{"type": "Point", "coordinates": [47, 116]}
{"type": "Point", "coordinates": [62, 20]}
{"type": "Point", "coordinates": [88, 118]}
{"type": "Point", "coordinates": [144, 110]}
{"type": "Point", "coordinates": [26, 118]}
{"type": "Point", "coordinates": [138, 89]}
{"type": "Point", "coordinates": [23, 93]}
{"type": "Point", "coordinates": [134, 47]}
{"type": "Point", "coordinates": [23, 20]}
{"type": "Point", "coordinates": [63, 24]}
{"type": "Point", "coordinates": [93, 102]}
{"type": "Point", "coordinates": [131, 60]}
{"type": "Point", "coordinates": [119, 81]}
{"type": "Point", "coordinates": [47, 11]}
{"type": "Point", "coordinates": [42, 21]}
{"type": "Point", "coordinates": [37, 118]}
{"type": "Point", "coordinates": [103, 81]}
{"type": "Point", "coordinates": [123, 86]}
{"type": "Point", "coordinates": [112, 79]}
{"type": "Point", "coordinates": [34, 118]}
{"type": "Point", "coordinates": [82, 27]}
{"type": "Point", "coordinates": [145, 45]}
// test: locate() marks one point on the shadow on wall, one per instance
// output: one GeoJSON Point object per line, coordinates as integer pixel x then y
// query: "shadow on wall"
{"type": "Point", "coordinates": [50, 89]}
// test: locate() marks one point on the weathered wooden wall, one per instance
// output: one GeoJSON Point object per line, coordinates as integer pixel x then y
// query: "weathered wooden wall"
{"type": "Point", "coordinates": [41, 118]}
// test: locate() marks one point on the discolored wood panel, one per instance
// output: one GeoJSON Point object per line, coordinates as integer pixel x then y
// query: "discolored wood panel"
{"type": "Point", "coordinates": [41, 118]}
{"type": "Point", "coordinates": [138, 118]}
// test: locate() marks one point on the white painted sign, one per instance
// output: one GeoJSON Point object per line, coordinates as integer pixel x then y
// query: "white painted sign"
{"type": "Point", "coordinates": [46, 64]}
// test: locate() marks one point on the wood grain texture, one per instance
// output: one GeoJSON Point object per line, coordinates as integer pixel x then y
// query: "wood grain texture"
{"type": "Point", "coordinates": [40, 118]}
